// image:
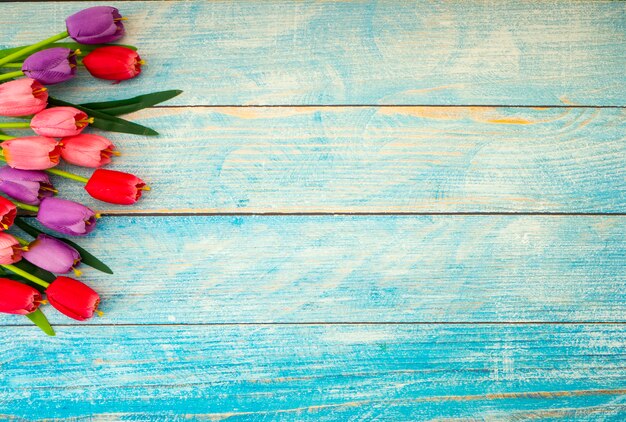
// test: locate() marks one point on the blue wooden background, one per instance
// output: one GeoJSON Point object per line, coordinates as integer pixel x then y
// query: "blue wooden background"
{"type": "Point", "coordinates": [360, 210]}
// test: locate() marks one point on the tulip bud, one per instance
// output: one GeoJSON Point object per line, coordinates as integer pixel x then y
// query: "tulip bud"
{"type": "Point", "coordinates": [27, 186]}
{"type": "Point", "coordinates": [8, 211]}
{"type": "Point", "coordinates": [115, 187]}
{"type": "Point", "coordinates": [22, 97]}
{"type": "Point", "coordinates": [87, 150]}
{"type": "Point", "coordinates": [31, 152]}
{"type": "Point", "coordinates": [73, 298]}
{"type": "Point", "coordinates": [113, 63]}
{"type": "Point", "coordinates": [95, 25]}
{"type": "Point", "coordinates": [51, 66]}
{"type": "Point", "coordinates": [52, 254]}
{"type": "Point", "coordinates": [57, 122]}
{"type": "Point", "coordinates": [18, 298]}
{"type": "Point", "coordinates": [10, 250]}
{"type": "Point", "coordinates": [66, 217]}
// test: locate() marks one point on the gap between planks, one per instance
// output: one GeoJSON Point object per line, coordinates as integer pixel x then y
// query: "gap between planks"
{"type": "Point", "coordinates": [184, 213]}
{"type": "Point", "coordinates": [316, 323]}
{"type": "Point", "coordinates": [384, 105]}
{"type": "Point", "coordinates": [365, 214]}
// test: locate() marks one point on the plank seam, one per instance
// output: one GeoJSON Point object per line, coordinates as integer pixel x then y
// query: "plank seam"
{"type": "Point", "coordinates": [365, 214]}
{"type": "Point", "coordinates": [387, 105]}
{"type": "Point", "coordinates": [318, 323]}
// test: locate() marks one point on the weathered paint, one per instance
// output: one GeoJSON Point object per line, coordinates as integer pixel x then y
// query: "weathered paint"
{"type": "Point", "coordinates": [244, 317]}
{"type": "Point", "coordinates": [358, 269]}
{"type": "Point", "coordinates": [360, 52]}
{"type": "Point", "coordinates": [328, 372]}
{"type": "Point", "coordinates": [376, 159]}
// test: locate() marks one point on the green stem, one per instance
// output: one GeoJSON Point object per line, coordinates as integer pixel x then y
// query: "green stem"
{"type": "Point", "coordinates": [6, 137]}
{"type": "Point", "coordinates": [23, 242]}
{"type": "Point", "coordinates": [24, 51]}
{"type": "Point", "coordinates": [26, 275]}
{"type": "Point", "coordinates": [68, 175]}
{"type": "Point", "coordinates": [57, 172]}
{"type": "Point", "coordinates": [25, 206]}
{"type": "Point", "coordinates": [16, 125]}
{"type": "Point", "coordinates": [11, 75]}
{"type": "Point", "coordinates": [13, 65]}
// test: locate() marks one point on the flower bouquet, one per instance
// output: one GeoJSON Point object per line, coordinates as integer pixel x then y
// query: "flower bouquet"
{"type": "Point", "coordinates": [29, 269]}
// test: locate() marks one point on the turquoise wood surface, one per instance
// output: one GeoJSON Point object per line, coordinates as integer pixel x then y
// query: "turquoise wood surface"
{"type": "Point", "coordinates": [473, 306]}
{"type": "Point", "coordinates": [296, 269]}
{"type": "Point", "coordinates": [329, 372]}
{"type": "Point", "coordinates": [363, 52]}
{"type": "Point", "coordinates": [378, 159]}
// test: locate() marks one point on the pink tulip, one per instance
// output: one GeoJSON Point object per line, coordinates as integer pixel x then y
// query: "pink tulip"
{"type": "Point", "coordinates": [10, 250]}
{"type": "Point", "coordinates": [57, 122]}
{"type": "Point", "coordinates": [22, 97]}
{"type": "Point", "coordinates": [31, 152]}
{"type": "Point", "coordinates": [87, 150]}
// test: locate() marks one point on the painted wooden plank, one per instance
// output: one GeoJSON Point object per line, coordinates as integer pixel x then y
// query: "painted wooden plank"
{"type": "Point", "coordinates": [376, 159]}
{"type": "Point", "coordinates": [351, 372]}
{"type": "Point", "coordinates": [358, 269]}
{"type": "Point", "coordinates": [367, 52]}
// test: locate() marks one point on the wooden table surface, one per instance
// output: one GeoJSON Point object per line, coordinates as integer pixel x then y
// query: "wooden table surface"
{"type": "Point", "coordinates": [360, 210]}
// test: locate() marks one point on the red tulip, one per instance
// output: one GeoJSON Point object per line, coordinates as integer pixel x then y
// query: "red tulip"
{"type": "Point", "coordinates": [22, 97]}
{"type": "Point", "coordinates": [87, 150]}
{"type": "Point", "coordinates": [73, 298]}
{"type": "Point", "coordinates": [8, 211]}
{"type": "Point", "coordinates": [18, 298]}
{"type": "Point", "coordinates": [31, 152]}
{"type": "Point", "coordinates": [10, 249]}
{"type": "Point", "coordinates": [113, 63]}
{"type": "Point", "coordinates": [115, 187]}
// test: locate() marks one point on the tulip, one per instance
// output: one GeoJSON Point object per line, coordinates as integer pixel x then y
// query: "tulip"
{"type": "Point", "coordinates": [31, 152]}
{"type": "Point", "coordinates": [18, 298]}
{"type": "Point", "coordinates": [52, 254]}
{"type": "Point", "coordinates": [10, 250]}
{"type": "Point", "coordinates": [8, 211]}
{"type": "Point", "coordinates": [51, 66]}
{"type": "Point", "coordinates": [115, 187]}
{"type": "Point", "coordinates": [87, 150]}
{"type": "Point", "coordinates": [27, 186]}
{"type": "Point", "coordinates": [22, 97]}
{"type": "Point", "coordinates": [66, 217]}
{"type": "Point", "coordinates": [57, 122]}
{"type": "Point", "coordinates": [73, 298]}
{"type": "Point", "coordinates": [113, 63]}
{"type": "Point", "coordinates": [96, 25]}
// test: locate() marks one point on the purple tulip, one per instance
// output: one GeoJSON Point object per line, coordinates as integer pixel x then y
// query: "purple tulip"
{"type": "Point", "coordinates": [51, 254]}
{"type": "Point", "coordinates": [96, 25]}
{"type": "Point", "coordinates": [66, 217]}
{"type": "Point", "coordinates": [51, 66]}
{"type": "Point", "coordinates": [27, 186]}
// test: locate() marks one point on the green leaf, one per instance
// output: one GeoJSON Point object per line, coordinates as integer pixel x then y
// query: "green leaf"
{"type": "Point", "coordinates": [35, 270]}
{"type": "Point", "coordinates": [85, 49]}
{"type": "Point", "coordinates": [129, 105]}
{"type": "Point", "coordinates": [4, 273]}
{"type": "Point", "coordinates": [27, 227]}
{"type": "Point", "coordinates": [86, 257]}
{"type": "Point", "coordinates": [40, 320]}
{"type": "Point", "coordinates": [105, 121]}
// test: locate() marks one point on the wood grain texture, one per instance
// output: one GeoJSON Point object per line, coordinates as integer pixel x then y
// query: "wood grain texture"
{"type": "Point", "coordinates": [366, 52]}
{"type": "Point", "coordinates": [358, 269]}
{"type": "Point", "coordinates": [376, 159]}
{"type": "Point", "coordinates": [500, 372]}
